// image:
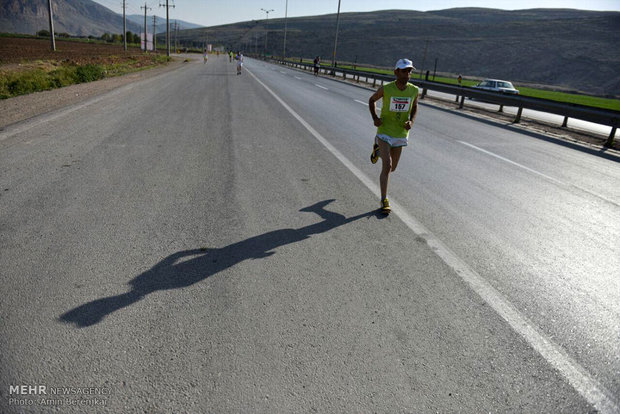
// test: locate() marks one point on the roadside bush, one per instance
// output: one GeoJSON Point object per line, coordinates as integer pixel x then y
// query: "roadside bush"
{"type": "Point", "coordinates": [28, 82]}
{"type": "Point", "coordinates": [89, 73]}
{"type": "Point", "coordinates": [4, 87]}
{"type": "Point", "coordinates": [64, 76]}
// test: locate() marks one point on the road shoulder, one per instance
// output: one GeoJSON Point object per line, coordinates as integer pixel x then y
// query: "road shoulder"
{"type": "Point", "coordinates": [21, 108]}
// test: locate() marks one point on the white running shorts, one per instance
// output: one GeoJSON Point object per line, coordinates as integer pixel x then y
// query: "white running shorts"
{"type": "Point", "coordinates": [393, 142]}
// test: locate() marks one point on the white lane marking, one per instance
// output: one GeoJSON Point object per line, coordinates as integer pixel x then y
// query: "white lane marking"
{"type": "Point", "coordinates": [513, 163]}
{"type": "Point", "coordinates": [297, 77]}
{"type": "Point", "coordinates": [576, 375]}
{"type": "Point", "coordinates": [363, 103]}
{"type": "Point", "coordinates": [322, 87]}
{"type": "Point", "coordinates": [283, 72]}
{"type": "Point", "coordinates": [585, 190]}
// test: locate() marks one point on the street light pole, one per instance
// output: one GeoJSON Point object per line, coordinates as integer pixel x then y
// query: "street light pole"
{"type": "Point", "coordinates": [285, 27]}
{"type": "Point", "coordinates": [124, 26]}
{"type": "Point", "coordinates": [266, 30]}
{"type": "Point", "coordinates": [336, 40]}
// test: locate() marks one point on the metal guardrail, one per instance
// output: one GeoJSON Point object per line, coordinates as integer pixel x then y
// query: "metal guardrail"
{"type": "Point", "coordinates": [600, 116]}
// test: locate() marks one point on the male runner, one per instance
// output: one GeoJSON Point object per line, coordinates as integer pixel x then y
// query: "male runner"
{"type": "Point", "coordinates": [239, 62]}
{"type": "Point", "coordinates": [400, 105]}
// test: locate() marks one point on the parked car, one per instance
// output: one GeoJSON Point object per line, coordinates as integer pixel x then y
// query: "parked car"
{"type": "Point", "coordinates": [496, 85]}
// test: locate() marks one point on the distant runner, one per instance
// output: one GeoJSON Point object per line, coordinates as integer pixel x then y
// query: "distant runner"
{"type": "Point", "coordinates": [206, 56]}
{"type": "Point", "coordinates": [239, 58]}
{"type": "Point", "coordinates": [317, 65]}
{"type": "Point", "coordinates": [400, 105]}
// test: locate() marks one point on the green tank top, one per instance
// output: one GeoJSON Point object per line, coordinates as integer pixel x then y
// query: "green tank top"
{"type": "Point", "coordinates": [397, 107]}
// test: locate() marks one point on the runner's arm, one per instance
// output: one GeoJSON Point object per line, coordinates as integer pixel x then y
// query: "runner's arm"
{"type": "Point", "coordinates": [414, 112]}
{"type": "Point", "coordinates": [372, 107]}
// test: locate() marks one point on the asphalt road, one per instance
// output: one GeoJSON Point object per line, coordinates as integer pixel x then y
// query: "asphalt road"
{"type": "Point", "coordinates": [207, 242]}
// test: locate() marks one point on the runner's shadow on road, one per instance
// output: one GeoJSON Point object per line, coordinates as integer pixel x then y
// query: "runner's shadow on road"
{"type": "Point", "coordinates": [188, 267]}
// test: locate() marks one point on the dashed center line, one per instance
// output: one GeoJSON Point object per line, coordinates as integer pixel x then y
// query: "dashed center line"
{"type": "Point", "coordinates": [363, 103]}
{"type": "Point", "coordinates": [322, 87]}
{"type": "Point", "coordinates": [513, 163]}
{"type": "Point", "coordinates": [562, 183]}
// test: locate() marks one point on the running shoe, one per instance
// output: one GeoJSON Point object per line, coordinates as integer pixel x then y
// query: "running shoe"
{"type": "Point", "coordinates": [385, 205]}
{"type": "Point", "coordinates": [374, 156]}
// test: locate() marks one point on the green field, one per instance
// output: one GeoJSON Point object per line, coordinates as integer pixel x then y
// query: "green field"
{"type": "Point", "coordinates": [593, 101]}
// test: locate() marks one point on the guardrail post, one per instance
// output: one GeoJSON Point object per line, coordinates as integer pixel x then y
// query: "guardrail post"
{"type": "Point", "coordinates": [462, 101]}
{"type": "Point", "coordinates": [456, 98]}
{"type": "Point", "coordinates": [374, 82]}
{"type": "Point", "coordinates": [518, 118]}
{"type": "Point", "coordinates": [423, 93]}
{"type": "Point", "coordinates": [565, 123]}
{"type": "Point", "coordinates": [610, 140]}
{"type": "Point", "coordinates": [501, 108]}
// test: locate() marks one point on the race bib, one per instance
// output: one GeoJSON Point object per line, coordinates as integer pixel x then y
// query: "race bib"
{"type": "Point", "coordinates": [400, 104]}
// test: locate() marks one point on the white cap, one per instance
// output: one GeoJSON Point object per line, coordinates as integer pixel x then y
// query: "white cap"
{"type": "Point", "coordinates": [404, 64]}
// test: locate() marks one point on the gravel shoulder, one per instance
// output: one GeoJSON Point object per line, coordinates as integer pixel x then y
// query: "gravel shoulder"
{"type": "Point", "coordinates": [21, 108]}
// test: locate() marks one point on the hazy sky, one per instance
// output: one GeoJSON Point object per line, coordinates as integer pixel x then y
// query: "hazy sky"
{"type": "Point", "coordinates": [216, 12]}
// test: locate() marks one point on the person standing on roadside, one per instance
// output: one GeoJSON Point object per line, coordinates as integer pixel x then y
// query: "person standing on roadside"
{"type": "Point", "coordinates": [400, 106]}
{"type": "Point", "coordinates": [317, 65]}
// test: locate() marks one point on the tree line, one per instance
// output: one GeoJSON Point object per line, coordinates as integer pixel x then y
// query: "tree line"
{"type": "Point", "coordinates": [106, 37]}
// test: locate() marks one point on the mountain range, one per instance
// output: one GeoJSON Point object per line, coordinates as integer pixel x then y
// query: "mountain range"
{"type": "Point", "coordinates": [161, 23]}
{"type": "Point", "coordinates": [76, 17]}
{"type": "Point", "coordinates": [576, 50]}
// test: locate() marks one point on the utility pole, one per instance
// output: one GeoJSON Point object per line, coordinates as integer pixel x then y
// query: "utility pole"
{"type": "Point", "coordinates": [167, 26]}
{"type": "Point", "coordinates": [176, 32]}
{"type": "Point", "coordinates": [49, 5]}
{"type": "Point", "coordinates": [266, 30]}
{"type": "Point", "coordinates": [146, 42]}
{"type": "Point", "coordinates": [336, 40]}
{"type": "Point", "coordinates": [285, 27]}
{"type": "Point", "coordinates": [124, 26]}
{"type": "Point", "coordinates": [154, 33]}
